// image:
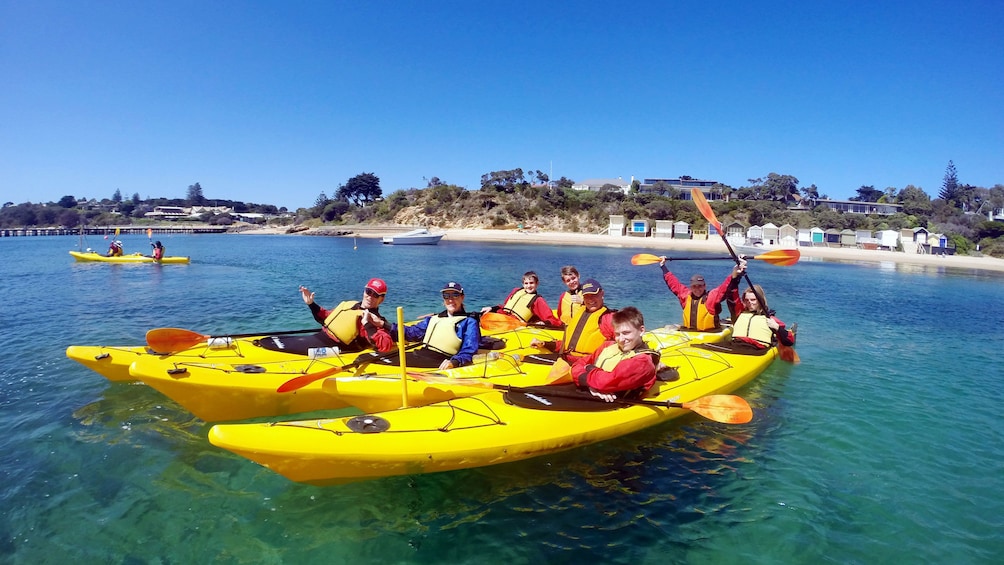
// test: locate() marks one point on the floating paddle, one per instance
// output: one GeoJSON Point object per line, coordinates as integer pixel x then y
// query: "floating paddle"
{"type": "Point", "coordinates": [785, 352]}
{"type": "Point", "coordinates": [496, 322]}
{"type": "Point", "coordinates": [172, 340]}
{"type": "Point", "coordinates": [724, 408]}
{"type": "Point", "coordinates": [779, 257]}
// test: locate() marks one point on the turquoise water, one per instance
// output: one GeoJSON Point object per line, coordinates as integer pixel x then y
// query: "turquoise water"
{"type": "Point", "coordinates": [885, 445]}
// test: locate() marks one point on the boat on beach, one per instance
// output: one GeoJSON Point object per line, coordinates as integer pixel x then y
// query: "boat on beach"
{"type": "Point", "coordinates": [421, 236]}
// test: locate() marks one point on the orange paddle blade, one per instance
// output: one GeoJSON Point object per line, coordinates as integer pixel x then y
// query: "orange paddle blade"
{"type": "Point", "coordinates": [780, 257]}
{"type": "Point", "coordinates": [170, 340]}
{"type": "Point", "coordinates": [644, 259]}
{"type": "Point", "coordinates": [724, 408]}
{"type": "Point", "coordinates": [560, 373]}
{"type": "Point", "coordinates": [149, 233]}
{"type": "Point", "coordinates": [705, 208]}
{"type": "Point", "coordinates": [498, 322]}
{"type": "Point", "coordinates": [787, 353]}
{"type": "Point", "coordinates": [297, 383]}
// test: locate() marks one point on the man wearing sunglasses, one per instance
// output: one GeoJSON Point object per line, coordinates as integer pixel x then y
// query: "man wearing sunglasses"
{"type": "Point", "coordinates": [350, 326]}
{"type": "Point", "coordinates": [450, 338]}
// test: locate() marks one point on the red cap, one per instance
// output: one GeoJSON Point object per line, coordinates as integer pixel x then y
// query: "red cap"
{"type": "Point", "coordinates": [377, 286]}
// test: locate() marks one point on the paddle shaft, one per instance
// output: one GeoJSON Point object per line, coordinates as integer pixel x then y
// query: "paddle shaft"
{"type": "Point", "coordinates": [559, 394]}
{"type": "Point", "coordinates": [709, 215]}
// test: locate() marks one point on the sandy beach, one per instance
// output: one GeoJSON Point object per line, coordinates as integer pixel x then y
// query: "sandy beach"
{"type": "Point", "coordinates": [664, 246]}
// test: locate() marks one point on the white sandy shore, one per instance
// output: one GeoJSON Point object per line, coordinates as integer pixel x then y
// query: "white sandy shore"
{"type": "Point", "coordinates": [667, 246]}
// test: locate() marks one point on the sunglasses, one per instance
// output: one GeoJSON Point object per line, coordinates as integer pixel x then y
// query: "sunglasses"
{"type": "Point", "coordinates": [451, 295]}
{"type": "Point", "coordinates": [373, 293]}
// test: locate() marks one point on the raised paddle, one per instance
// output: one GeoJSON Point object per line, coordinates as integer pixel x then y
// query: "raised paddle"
{"type": "Point", "coordinates": [779, 257]}
{"type": "Point", "coordinates": [172, 340]}
{"type": "Point", "coordinates": [786, 353]}
{"type": "Point", "coordinates": [724, 408]}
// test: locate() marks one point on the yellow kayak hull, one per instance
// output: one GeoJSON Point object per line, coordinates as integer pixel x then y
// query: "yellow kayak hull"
{"type": "Point", "coordinates": [113, 361]}
{"type": "Point", "coordinates": [378, 392]}
{"type": "Point", "coordinates": [90, 256]}
{"type": "Point", "coordinates": [472, 431]}
{"type": "Point", "coordinates": [216, 388]}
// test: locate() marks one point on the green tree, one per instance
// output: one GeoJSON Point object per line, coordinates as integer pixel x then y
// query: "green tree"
{"type": "Point", "coordinates": [194, 196]}
{"type": "Point", "coordinates": [360, 189]}
{"type": "Point", "coordinates": [950, 184]}
{"type": "Point", "coordinates": [779, 187]}
{"type": "Point", "coordinates": [868, 194]}
{"type": "Point", "coordinates": [915, 201]}
{"type": "Point", "coordinates": [117, 196]}
{"type": "Point", "coordinates": [68, 202]}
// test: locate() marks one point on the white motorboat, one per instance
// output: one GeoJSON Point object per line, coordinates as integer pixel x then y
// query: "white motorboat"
{"type": "Point", "coordinates": [420, 236]}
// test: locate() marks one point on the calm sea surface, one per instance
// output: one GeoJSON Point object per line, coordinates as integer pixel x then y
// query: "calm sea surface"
{"type": "Point", "coordinates": [885, 445]}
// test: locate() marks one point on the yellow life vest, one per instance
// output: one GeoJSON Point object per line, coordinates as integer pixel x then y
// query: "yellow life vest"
{"type": "Point", "coordinates": [697, 316]}
{"type": "Point", "coordinates": [343, 321]}
{"type": "Point", "coordinates": [441, 334]}
{"type": "Point", "coordinates": [753, 326]}
{"type": "Point", "coordinates": [582, 335]}
{"type": "Point", "coordinates": [612, 355]}
{"type": "Point", "coordinates": [568, 314]}
{"type": "Point", "coordinates": [520, 304]}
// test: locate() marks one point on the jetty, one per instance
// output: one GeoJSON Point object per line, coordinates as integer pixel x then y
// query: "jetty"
{"type": "Point", "coordinates": [109, 230]}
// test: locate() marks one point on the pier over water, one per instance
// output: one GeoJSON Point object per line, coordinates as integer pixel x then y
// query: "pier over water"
{"type": "Point", "coordinates": [109, 230]}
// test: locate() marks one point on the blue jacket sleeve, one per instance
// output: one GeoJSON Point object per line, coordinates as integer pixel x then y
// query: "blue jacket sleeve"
{"type": "Point", "coordinates": [415, 332]}
{"type": "Point", "coordinates": [470, 333]}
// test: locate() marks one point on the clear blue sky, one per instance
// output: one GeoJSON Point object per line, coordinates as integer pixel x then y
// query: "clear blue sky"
{"type": "Point", "coordinates": [275, 102]}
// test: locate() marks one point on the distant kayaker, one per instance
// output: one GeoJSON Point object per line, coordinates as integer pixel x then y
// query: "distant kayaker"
{"type": "Point", "coordinates": [115, 249]}
{"type": "Point", "coordinates": [350, 326]}
{"type": "Point", "coordinates": [450, 338]}
{"type": "Point", "coordinates": [624, 367]}
{"type": "Point", "coordinates": [527, 305]}
{"type": "Point", "coordinates": [570, 301]}
{"type": "Point", "coordinates": [701, 308]}
{"type": "Point", "coordinates": [756, 325]}
{"type": "Point", "coordinates": [588, 328]}
{"type": "Point", "coordinates": [158, 251]}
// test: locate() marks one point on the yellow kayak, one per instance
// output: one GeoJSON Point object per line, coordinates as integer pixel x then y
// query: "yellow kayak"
{"type": "Point", "coordinates": [95, 257]}
{"type": "Point", "coordinates": [384, 390]}
{"type": "Point", "coordinates": [113, 361]}
{"type": "Point", "coordinates": [217, 389]}
{"type": "Point", "coordinates": [474, 431]}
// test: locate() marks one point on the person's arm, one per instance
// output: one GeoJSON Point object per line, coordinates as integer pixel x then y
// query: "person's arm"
{"type": "Point", "coordinates": [416, 332]}
{"type": "Point", "coordinates": [629, 374]}
{"type": "Point", "coordinates": [717, 295]}
{"type": "Point", "coordinates": [674, 285]}
{"type": "Point", "coordinates": [468, 331]}
{"type": "Point", "coordinates": [607, 325]}
{"type": "Point", "coordinates": [544, 314]}
{"type": "Point", "coordinates": [784, 335]}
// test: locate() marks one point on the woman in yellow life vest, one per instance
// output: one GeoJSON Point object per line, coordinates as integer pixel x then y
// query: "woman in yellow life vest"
{"type": "Point", "coordinates": [450, 338]}
{"type": "Point", "coordinates": [756, 325]}
{"type": "Point", "coordinates": [588, 328]}
{"type": "Point", "coordinates": [350, 326]}
{"type": "Point", "coordinates": [624, 367]}
{"type": "Point", "coordinates": [527, 305]}
{"type": "Point", "coordinates": [701, 308]}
